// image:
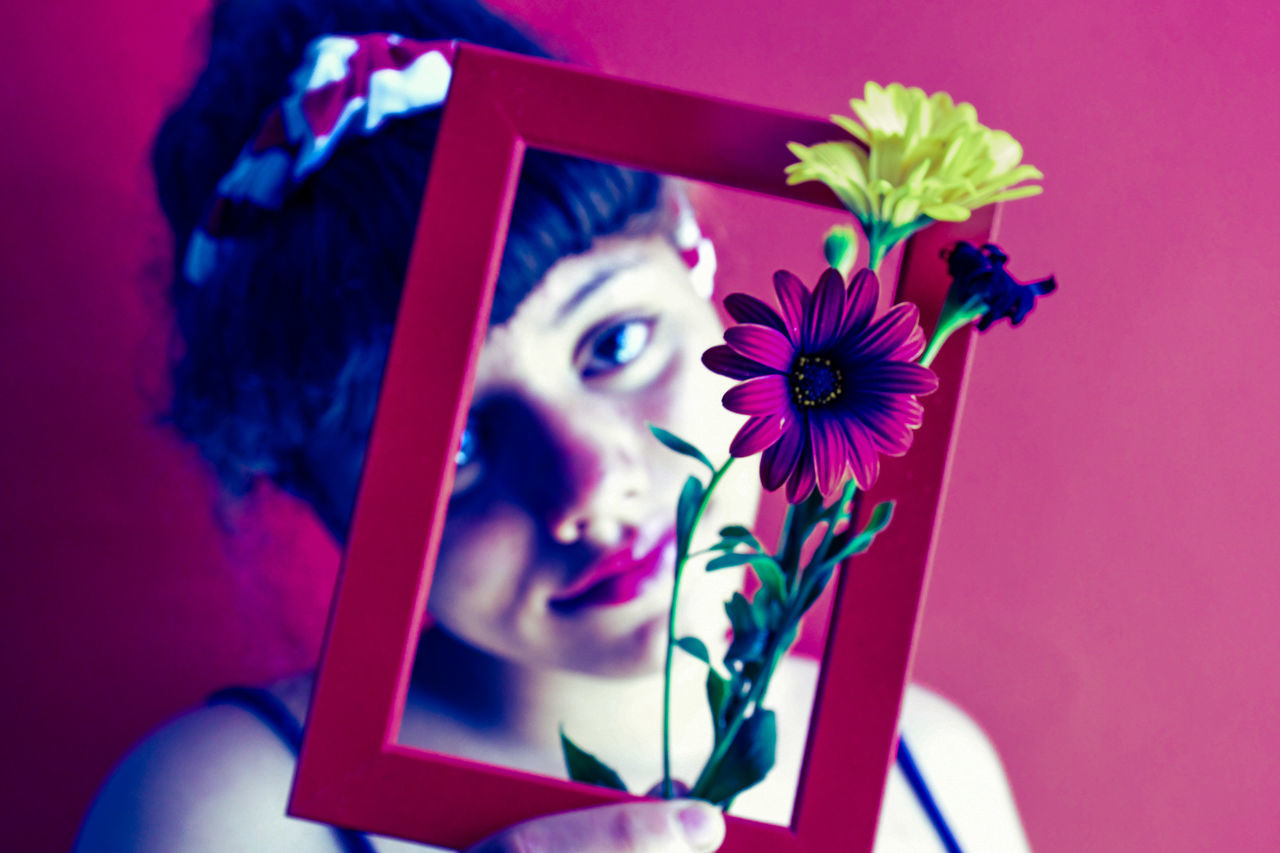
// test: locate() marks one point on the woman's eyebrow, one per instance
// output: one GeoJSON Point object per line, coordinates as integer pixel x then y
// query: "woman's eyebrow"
{"type": "Point", "coordinates": [589, 287]}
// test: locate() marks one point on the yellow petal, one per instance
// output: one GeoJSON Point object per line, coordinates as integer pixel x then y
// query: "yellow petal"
{"type": "Point", "coordinates": [926, 155]}
{"type": "Point", "coordinates": [1019, 192]}
{"type": "Point", "coordinates": [852, 127]}
{"type": "Point", "coordinates": [906, 210]}
{"type": "Point", "coordinates": [947, 212]}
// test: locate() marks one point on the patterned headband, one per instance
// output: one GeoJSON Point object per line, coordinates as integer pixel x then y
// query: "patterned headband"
{"type": "Point", "coordinates": [346, 85]}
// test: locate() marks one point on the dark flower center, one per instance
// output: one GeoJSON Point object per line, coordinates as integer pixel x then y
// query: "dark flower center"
{"type": "Point", "coordinates": [815, 381]}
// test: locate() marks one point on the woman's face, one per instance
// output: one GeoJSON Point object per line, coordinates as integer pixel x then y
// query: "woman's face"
{"type": "Point", "coordinates": [558, 549]}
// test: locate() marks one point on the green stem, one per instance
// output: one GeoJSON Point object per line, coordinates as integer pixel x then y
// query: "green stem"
{"type": "Point", "coordinates": [951, 321]}
{"type": "Point", "coordinates": [834, 516]}
{"type": "Point", "coordinates": [789, 524]}
{"type": "Point", "coordinates": [882, 237]}
{"type": "Point", "coordinates": [875, 256]}
{"type": "Point", "coordinates": [878, 246]}
{"type": "Point", "coordinates": [682, 558]}
{"type": "Point", "coordinates": [799, 523]}
{"type": "Point", "coordinates": [754, 697]}
{"type": "Point", "coordinates": [797, 527]}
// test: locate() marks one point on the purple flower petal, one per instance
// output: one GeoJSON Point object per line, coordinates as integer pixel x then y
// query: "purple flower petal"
{"type": "Point", "coordinates": [825, 310]}
{"type": "Point", "coordinates": [905, 410]}
{"type": "Point", "coordinates": [723, 360]}
{"type": "Point", "coordinates": [863, 457]}
{"type": "Point", "coordinates": [763, 344]}
{"type": "Point", "coordinates": [793, 296]}
{"type": "Point", "coordinates": [763, 395]}
{"type": "Point", "coordinates": [911, 348]}
{"type": "Point", "coordinates": [803, 478]}
{"type": "Point", "coordinates": [778, 460]}
{"type": "Point", "coordinates": [890, 434]}
{"type": "Point", "coordinates": [830, 453]}
{"type": "Point", "coordinates": [756, 434]}
{"type": "Point", "coordinates": [865, 409]}
{"type": "Point", "coordinates": [747, 309]}
{"type": "Point", "coordinates": [884, 335]}
{"type": "Point", "coordinates": [860, 304]}
{"type": "Point", "coordinates": [894, 377]}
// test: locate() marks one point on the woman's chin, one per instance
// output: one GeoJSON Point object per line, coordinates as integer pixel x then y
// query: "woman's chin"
{"type": "Point", "coordinates": [638, 651]}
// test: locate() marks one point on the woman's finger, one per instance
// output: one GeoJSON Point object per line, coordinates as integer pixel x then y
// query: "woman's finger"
{"type": "Point", "coordinates": [664, 827]}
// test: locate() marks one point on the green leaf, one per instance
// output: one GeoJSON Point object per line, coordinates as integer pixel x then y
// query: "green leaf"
{"type": "Point", "coordinates": [740, 615]}
{"type": "Point", "coordinates": [686, 509]}
{"type": "Point", "coordinates": [788, 637]}
{"type": "Point", "coordinates": [879, 518]}
{"type": "Point", "coordinates": [740, 535]}
{"type": "Point", "coordinates": [816, 583]}
{"type": "Point", "coordinates": [765, 609]}
{"type": "Point", "coordinates": [839, 511]}
{"type": "Point", "coordinates": [748, 760]}
{"type": "Point", "coordinates": [770, 574]}
{"type": "Point", "coordinates": [749, 636]}
{"type": "Point", "coordinates": [695, 647]}
{"type": "Point", "coordinates": [585, 767]}
{"type": "Point", "coordinates": [728, 561]}
{"type": "Point", "coordinates": [718, 693]}
{"type": "Point", "coordinates": [679, 445]}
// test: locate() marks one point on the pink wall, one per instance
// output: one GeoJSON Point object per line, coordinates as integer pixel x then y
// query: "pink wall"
{"type": "Point", "coordinates": [1106, 583]}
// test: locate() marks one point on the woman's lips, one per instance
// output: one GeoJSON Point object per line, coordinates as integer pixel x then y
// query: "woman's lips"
{"type": "Point", "coordinates": [618, 577]}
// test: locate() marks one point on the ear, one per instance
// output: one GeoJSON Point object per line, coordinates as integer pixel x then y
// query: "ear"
{"type": "Point", "coordinates": [696, 250]}
{"type": "Point", "coordinates": [703, 271]}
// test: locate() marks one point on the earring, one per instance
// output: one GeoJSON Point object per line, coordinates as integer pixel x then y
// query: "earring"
{"type": "Point", "coordinates": [697, 251]}
{"type": "Point", "coordinates": [703, 271]}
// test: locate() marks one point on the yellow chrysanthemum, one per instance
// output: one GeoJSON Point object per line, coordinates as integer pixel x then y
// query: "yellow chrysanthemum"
{"type": "Point", "coordinates": [922, 157]}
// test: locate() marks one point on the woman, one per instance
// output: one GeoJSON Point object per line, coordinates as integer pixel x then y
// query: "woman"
{"type": "Point", "coordinates": [549, 602]}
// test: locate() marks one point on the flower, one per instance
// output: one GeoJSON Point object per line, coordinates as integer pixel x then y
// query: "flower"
{"type": "Point", "coordinates": [979, 280]}
{"type": "Point", "coordinates": [921, 158]}
{"type": "Point", "coordinates": [826, 389]}
{"type": "Point", "coordinates": [982, 290]}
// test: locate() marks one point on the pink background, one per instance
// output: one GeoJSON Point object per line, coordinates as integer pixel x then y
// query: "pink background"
{"type": "Point", "coordinates": [1104, 593]}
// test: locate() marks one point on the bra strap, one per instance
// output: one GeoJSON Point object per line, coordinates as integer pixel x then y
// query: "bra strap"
{"type": "Point", "coordinates": [267, 707]}
{"type": "Point", "coordinates": [909, 769]}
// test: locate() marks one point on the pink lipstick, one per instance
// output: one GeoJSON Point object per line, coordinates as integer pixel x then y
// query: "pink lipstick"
{"type": "Point", "coordinates": [618, 577]}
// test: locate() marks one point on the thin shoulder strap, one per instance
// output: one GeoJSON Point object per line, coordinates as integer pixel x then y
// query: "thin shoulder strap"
{"type": "Point", "coordinates": [276, 715]}
{"type": "Point", "coordinates": [909, 769]}
{"type": "Point", "coordinates": [267, 707]}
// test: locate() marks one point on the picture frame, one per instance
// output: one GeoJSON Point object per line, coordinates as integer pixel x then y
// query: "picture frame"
{"type": "Point", "coordinates": [352, 772]}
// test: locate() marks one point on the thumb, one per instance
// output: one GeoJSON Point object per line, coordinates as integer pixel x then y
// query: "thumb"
{"type": "Point", "coordinates": [680, 826]}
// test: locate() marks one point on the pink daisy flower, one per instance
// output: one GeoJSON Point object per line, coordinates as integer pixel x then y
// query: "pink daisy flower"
{"type": "Point", "coordinates": [826, 389]}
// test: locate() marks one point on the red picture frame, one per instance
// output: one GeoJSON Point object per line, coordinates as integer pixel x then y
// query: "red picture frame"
{"type": "Point", "coordinates": [352, 772]}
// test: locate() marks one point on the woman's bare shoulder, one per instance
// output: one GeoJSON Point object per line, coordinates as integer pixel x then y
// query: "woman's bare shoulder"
{"type": "Point", "coordinates": [215, 778]}
{"type": "Point", "coordinates": [955, 756]}
{"type": "Point", "coordinates": [963, 771]}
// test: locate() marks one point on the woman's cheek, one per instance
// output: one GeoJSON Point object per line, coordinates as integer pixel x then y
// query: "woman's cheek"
{"type": "Point", "coordinates": [484, 569]}
{"type": "Point", "coordinates": [708, 424]}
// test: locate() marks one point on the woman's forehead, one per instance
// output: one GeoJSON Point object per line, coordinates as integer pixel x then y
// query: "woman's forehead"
{"type": "Point", "coordinates": [578, 281]}
{"type": "Point", "coordinates": [573, 278]}
{"type": "Point", "coordinates": [618, 276]}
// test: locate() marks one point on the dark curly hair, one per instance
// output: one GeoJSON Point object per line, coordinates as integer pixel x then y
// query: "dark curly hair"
{"type": "Point", "coordinates": [283, 350]}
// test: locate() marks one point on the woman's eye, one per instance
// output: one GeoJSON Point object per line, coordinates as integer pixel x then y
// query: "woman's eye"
{"type": "Point", "coordinates": [466, 448]}
{"type": "Point", "coordinates": [617, 345]}
{"type": "Point", "coordinates": [468, 461]}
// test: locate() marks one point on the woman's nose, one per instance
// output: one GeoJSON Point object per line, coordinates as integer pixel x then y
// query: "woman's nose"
{"type": "Point", "coordinates": [602, 476]}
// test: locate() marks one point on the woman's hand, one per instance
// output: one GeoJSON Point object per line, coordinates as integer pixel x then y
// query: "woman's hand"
{"type": "Point", "coordinates": [663, 827]}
